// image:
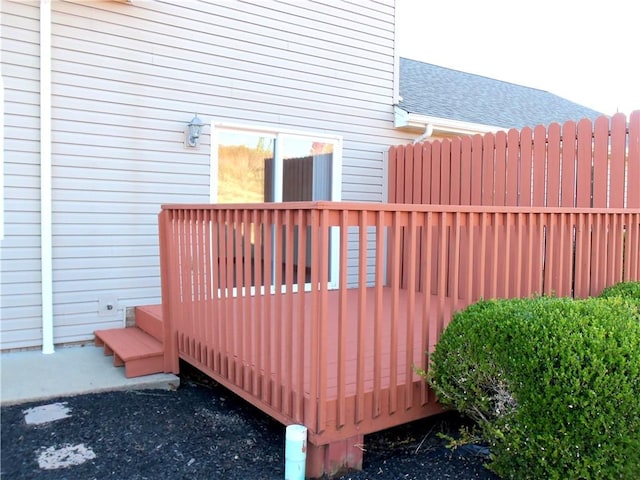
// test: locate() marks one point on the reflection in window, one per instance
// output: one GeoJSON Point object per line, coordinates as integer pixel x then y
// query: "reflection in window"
{"type": "Point", "coordinates": [246, 168]}
{"type": "Point", "coordinates": [241, 167]}
{"type": "Point", "coordinates": [306, 170]}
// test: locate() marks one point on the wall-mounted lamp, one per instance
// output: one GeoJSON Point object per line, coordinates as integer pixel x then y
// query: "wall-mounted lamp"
{"type": "Point", "coordinates": [194, 128]}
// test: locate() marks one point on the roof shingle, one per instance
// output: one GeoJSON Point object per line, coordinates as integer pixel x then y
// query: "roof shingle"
{"type": "Point", "coordinates": [441, 92]}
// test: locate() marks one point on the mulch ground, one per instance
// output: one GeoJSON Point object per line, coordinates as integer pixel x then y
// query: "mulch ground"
{"type": "Point", "coordinates": [203, 431]}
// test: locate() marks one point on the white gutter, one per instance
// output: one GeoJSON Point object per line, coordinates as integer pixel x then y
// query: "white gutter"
{"type": "Point", "coordinates": [46, 249]}
{"type": "Point", "coordinates": [422, 123]}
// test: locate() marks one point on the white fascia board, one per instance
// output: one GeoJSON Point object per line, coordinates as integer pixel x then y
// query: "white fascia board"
{"type": "Point", "coordinates": [415, 121]}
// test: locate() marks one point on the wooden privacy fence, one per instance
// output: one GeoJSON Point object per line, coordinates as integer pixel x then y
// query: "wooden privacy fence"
{"type": "Point", "coordinates": [581, 164]}
{"type": "Point", "coordinates": [257, 295]}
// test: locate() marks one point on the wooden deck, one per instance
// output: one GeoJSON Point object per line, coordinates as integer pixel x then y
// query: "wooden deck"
{"type": "Point", "coordinates": [319, 312]}
{"type": "Point", "coordinates": [336, 348]}
{"type": "Point", "coordinates": [388, 355]}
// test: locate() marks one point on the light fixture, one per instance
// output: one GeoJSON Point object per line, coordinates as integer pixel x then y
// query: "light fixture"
{"type": "Point", "coordinates": [194, 127]}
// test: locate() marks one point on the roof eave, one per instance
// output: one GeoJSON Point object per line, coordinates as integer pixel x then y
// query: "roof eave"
{"type": "Point", "coordinates": [416, 122]}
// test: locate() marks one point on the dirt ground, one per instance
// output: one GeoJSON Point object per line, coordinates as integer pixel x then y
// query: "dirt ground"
{"type": "Point", "coordinates": [203, 431]}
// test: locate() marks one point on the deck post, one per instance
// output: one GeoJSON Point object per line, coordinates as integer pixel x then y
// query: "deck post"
{"type": "Point", "coordinates": [171, 359]}
{"type": "Point", "coordinates": [335, 458]}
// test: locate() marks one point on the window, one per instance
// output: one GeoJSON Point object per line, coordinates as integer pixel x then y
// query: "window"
{"type": "Point", "coordinates": [251, 165]}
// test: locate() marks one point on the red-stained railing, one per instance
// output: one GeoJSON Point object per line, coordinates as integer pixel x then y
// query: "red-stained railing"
{"type": "Point", "coordinates": [320, 313]}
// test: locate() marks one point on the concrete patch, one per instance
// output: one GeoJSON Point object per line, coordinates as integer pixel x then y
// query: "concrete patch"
{"type": "Point", "coordinates": [64, 457]}
{"type": "Point", "coordinates": [46, 413]}
{"type": "Point", "coordinates": [49, 375]}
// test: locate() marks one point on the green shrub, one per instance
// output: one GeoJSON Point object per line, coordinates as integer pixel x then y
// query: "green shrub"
{"type": "Point", "coordinates": [623, 289]}
{"type": "Point", "coordinates": [553, 384]}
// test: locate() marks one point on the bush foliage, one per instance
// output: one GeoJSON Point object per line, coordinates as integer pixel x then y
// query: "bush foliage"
{"type": "Point", "coordinates": [629, 290]}
{"type": "Point", "coordinates": [553, 384]}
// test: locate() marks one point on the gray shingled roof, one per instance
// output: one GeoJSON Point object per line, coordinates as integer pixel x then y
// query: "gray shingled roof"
{"type": "Point", "coordinates": [435, 91]}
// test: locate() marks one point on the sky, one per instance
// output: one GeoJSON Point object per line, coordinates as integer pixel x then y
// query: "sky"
{"type": "Point", "coordinates": [587, 51]}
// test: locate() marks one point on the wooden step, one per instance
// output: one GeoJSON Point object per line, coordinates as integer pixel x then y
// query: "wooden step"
{"type": "Point", "coordinates": [149, 320]}
{"type": "Point", "coordinates": [137, 351]}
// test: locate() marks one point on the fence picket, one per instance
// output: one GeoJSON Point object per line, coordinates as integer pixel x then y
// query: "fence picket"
{"type": "Point", "coordinates": [418, 166]}
{"type": "Point", "coordinates": [488, 169]}
{"type": "Point", "coordinates": [392, 171]}
{"type": "Point", "coordinates": [618, 146]}
{"type": "Point", "coordinates": [436, 166]}
{"type": "Point", "coordinates": [584, 145]}
{"type": "Point", "coordinates": [445, 171]}
{"type": "Point", "coordinates": [633, 168]}
{"type": "Point", "coordinates": [407, 190]}
{"type": "Point", "coordinates": [476, 170]}
{"type": "Point", "coordinates": [539, 163]}
{"type": "Point", "coordinates": [600, 162]}
{"type": "Point", "coordinates": [568, 165]}
{"type": "Point", "coordinates": [513, 168]}
{"type": "Point", "coordinates": [553, 165]}
{"type": "Point", "coordinates": [456, 172]}
{"type": "Point", "coordinates": [500, 188]}
{"type": "Point", "coordinates": [466, 174]}
{"type": "Point", "coordinates": [427, 160]}
{"type": "Point", "coordinates": [525, 188]}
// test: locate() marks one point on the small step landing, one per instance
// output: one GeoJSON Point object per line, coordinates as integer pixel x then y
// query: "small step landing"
{"type": "Point", "coordinates": [149, 320]}
{"type": "Point", "coordinates": [139, 353]}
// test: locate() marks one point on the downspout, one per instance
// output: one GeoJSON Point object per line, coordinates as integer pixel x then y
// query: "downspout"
{"type": "Point", "coordinates": [428, 131]}
{"type": "Point", "coordinates": [46, 248]}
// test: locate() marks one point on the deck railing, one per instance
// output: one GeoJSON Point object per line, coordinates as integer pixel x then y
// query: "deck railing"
{"type": "Point", "coordinates": [319, 313]}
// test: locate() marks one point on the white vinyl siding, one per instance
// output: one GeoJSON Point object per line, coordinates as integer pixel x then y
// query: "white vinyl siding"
{"type": "Point", "coordinates": [126, 80]}
{"type": "Point", "coordinates": [20, 295]}
{"type": "Point", "coordinates": [118, 155]}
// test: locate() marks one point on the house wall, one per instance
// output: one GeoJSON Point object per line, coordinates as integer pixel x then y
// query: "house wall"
{"type": "Point", "coordinates": [126, 80]}
{"type": "Point", "coordinates": [20, 303]}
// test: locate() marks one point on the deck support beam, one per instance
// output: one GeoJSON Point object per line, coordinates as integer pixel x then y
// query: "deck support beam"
{"type": "Point", "coordinates": [335, 458]}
